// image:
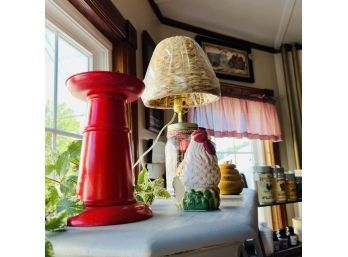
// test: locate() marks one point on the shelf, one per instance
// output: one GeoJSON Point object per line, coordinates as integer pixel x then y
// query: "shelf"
{"type": "Point", "coordinates": [295, 251]}
{"type": "Point", "coordinates": [265, 205]}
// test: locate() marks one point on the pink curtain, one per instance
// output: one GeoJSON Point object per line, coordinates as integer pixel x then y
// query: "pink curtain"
{"type": "Point", "coordinates": [233, 117]}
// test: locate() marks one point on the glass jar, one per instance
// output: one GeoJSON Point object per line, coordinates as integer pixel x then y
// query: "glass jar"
{"type": "Point", "coordinates": [178, 139]}
{"type": "Point", "coordinates": [291, 235]}
{"type": "Point", "coordinates": [278, 185]}
{"type": "Point", "coordinates": [283, 239]}
{"type": "Point", "coordinates": [299, 186]}
{"type": "Point", "coordinates": [264, 184]}
{"type": "Point", "coordinates": [290, 186]}
{"type": "Point", "coordinates": [275, 241]}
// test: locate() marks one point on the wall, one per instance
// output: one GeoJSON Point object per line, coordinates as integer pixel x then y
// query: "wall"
{"type": "Point", "coordinates": [140, 14]}
{"type": "Point", "coordinates": [267, 73]}
{"type": "Point", "coordinates": [142, 17]}
{"type": "Point", "coordinates": [267, 68]}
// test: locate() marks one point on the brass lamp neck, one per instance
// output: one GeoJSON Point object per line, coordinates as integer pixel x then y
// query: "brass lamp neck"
{"type": "Point", "coordinates": [178, 107]}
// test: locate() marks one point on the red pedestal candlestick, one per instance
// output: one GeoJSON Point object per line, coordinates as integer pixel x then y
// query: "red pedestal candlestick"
{"type": "Point", "coordinates": [105, 182]}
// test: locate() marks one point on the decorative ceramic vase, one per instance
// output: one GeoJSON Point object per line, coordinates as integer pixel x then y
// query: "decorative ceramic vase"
{"type": "Point", "coordinates": [231, 182]}
{"type": "Point", "coordinates": [198, 175]}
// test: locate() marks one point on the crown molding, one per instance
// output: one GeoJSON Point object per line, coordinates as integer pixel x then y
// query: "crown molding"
{"type": "Point", "coordinates": [208, 33]}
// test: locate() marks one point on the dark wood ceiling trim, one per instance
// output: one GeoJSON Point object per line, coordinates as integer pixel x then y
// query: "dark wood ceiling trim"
{"type": "Point", "coordinates": [198, 30]}
{"type": "Point", "coordinates": [288, 47]}
{"type": "Point", "coordinates": [250, 93]}
{"type": "Point", "coordinates": [107, 19]}
{"type": "Point", "coordinates": [156, 10]}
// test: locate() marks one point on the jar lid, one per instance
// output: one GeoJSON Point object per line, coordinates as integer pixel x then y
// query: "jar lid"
{"type": "Point", "coordinates": [289, 229]}
{"type": "Point", "coordinates": [289, 174]}
{"type": "Point", "coordinates": [278, 169]}
{"type": "Point", "coordinates": [264, 169]}
{"type": "Point", "coordinates": [298, 173]}
{"type": "Point", "coordinates": [281, 232]}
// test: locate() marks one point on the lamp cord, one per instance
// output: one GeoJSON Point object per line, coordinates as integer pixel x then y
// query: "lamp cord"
{"type": "Point", "coordinates": [140, 159]}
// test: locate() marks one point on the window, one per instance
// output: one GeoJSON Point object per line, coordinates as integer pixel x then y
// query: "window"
{"type": "Point", "coordinates": [64, 114]}
{"type": "Point", "coordinates": [244, 153]}
{"type": "Point", "coordinates": [72, 45]}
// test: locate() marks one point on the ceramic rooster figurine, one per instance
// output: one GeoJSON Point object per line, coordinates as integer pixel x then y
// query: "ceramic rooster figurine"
{"type": "Point", "coordinates": [198, 176]}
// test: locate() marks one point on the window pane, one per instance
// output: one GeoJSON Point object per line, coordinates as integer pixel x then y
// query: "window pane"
{"type": "Point", "coordinates": [224, 148]}
{"type": "Point", "coordinates": [63, 143]}
{"type": "Point", "coordinates": [48, 144]}
{"type": "Point", "coordinates": [243, 145]}
{"type": "Point", "coordinates": [245, 160]}
{"type": "Point", "coordinates": [240, 152]}
{"type": "Point", "coordinates": [71, 111]}
{"type": "Point", "coordinates": [245, 164]}
{"type": "Point", "coordinates": [49, 52]}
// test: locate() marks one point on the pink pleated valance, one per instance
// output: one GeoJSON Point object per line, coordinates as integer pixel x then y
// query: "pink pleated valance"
{"type": "Point", "coordinates": [234, 117]}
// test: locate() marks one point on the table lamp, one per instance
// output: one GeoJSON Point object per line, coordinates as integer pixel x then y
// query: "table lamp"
{"type": "Point", "coordinates": [105, 182]}
{"type": "Point", "coordinates": [179, 76]}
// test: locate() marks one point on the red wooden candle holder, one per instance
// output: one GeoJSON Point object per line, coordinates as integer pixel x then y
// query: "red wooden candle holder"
{"type": "Point", "coordinates": [105, 182]}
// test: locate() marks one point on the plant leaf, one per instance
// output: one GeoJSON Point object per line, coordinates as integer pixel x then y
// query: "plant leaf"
{"type": "Point", "coordinates": [49, 168]}
{"type": "Point", "coordinates": [149, 188]}
{"type": "Point", "coordinates": [72, 205]}
{"type": "Point", "coordinates": [158, 182]}
{"type": "Point", "coordinates": [149, 198]}
{"type": "Point", "coordinates": [67, 189]}
{"type": "Point", "coordinates": [68, 186]}
{"type": "Point", "coordinates": [162, 193]}
{"type": "Point", "coordinates": [51, 199]}
{"type": "Point", "coordinates": [142, 178]}
{"type": "Point", "coordinates": [48, 248]}
{"type": "Point", "coordinates": [72, 178]}
{"type": "Point", "coordinates": [146, 190]}
{"type": "Point", "coordinates": [139, 198]}
{"type": "Point", "coordinates": [75, 149]}
{"type": "Point", "coordinates": [56, 222]}
{"type": "Point", "coordinates": [63, 164]}
{"type": "Point", "coordinates": [138, 188]}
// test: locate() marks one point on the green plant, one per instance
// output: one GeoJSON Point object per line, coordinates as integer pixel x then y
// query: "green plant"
{"type": "Point", "coordinates": [146, 190]}
{"type": "Point", "coordinates": [61, 201]}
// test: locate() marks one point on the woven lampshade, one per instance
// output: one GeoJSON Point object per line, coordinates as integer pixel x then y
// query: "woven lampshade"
{"type": "Point", "coordinates": [179, 68]}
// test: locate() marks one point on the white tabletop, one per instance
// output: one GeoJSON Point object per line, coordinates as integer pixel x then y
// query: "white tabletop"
{"type": "Point", "coordinates": [169, 231]}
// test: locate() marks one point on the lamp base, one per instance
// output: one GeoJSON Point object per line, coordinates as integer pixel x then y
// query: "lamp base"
{"type": "Point", "coordinates": [111, 215]}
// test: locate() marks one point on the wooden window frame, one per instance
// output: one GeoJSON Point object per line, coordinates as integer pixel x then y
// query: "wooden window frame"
{"type": "Point", "coordinates": [123, 36]}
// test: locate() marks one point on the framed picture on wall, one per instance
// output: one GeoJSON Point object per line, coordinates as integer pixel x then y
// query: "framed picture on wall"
{"type": "Point", "coordinates": [154, 120]}
{"type": "Point", "coordinates": [229, 61]}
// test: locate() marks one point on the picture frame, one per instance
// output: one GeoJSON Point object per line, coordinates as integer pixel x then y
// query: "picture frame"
{"type": "Point", "coordinates": [229, 61]}
{"type": "Point", "coordinates": [154, 118]}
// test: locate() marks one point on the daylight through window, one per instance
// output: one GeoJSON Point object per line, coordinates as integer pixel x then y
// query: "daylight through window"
{"type": "Point", "coordinates": [64, 114]}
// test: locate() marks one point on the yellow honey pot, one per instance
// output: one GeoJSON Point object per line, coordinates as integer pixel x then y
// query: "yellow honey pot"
{"type": "Point", "coordinates": [231, 182]}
